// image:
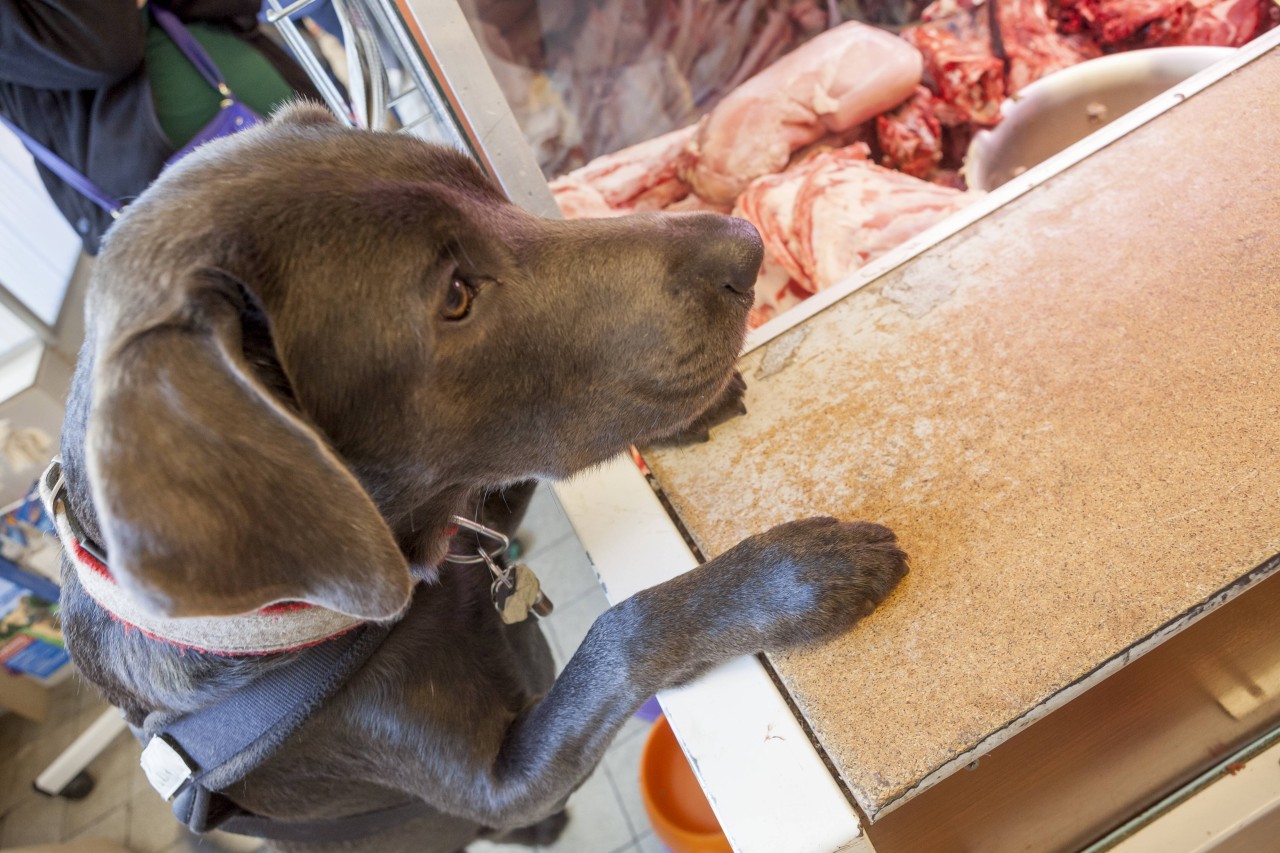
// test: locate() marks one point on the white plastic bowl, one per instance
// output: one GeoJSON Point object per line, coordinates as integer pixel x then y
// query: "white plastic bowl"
{"type": "Point", "coordinates": [1064, 107]}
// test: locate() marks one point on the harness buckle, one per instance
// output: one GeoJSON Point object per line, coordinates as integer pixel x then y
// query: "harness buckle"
{"type": "Point", "coordinates": [167, 769]}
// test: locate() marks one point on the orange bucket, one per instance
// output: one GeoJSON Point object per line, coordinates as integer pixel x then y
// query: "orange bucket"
{"type": "Point", "coordinates": [677, 808]}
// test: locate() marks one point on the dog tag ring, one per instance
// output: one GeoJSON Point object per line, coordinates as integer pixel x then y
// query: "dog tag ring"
{"type": "Point", "coordinates": [501, 592]}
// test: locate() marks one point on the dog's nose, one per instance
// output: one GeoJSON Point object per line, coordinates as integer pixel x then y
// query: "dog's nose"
{"type": "Point", "coordinates": [725, 251]}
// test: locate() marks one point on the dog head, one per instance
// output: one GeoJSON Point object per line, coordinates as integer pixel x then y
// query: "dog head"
{"type": "Point", "coordinates": [308, 345]}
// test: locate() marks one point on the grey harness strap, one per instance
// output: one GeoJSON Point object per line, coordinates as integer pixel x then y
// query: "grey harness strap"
{"type": "Point", "coordinates": [190, 758]}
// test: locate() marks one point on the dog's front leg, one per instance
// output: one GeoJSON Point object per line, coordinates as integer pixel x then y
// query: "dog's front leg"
{"type": "Point", "coordinates": [797, 583]}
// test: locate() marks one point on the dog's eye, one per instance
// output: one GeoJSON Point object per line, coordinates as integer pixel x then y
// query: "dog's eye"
{"type": "Point", "coordinates": [457, 303]}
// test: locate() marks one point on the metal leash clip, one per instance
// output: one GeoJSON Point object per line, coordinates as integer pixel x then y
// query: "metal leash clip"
{"type": "Point", "coordinates": [516, 590]}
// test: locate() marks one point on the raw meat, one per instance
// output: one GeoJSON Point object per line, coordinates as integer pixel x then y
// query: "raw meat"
{"type": "Point", "coordinates": [642, 177]}
{"type": "Point", "coordinates": [910, 137]}
{"type": "Point", "coordinates": [1120, 24]}
{"type": "Point", "coordinates": [833, 83]}
{"type": "Point", "coordinates": [1032, 45]}
{"type": "Point", "coordinates": [960, 68]}
{"type": "Point", "coordinates": [973, 68]}
{"type": "Point", "coordinates": [769, 204]}
{"type": "Point", "coordinates": [577, 199]}
{"type": "Point", "coordinates": [850, 211]}
{"type": "Point", "coordinates": [1228, 23]}
{"type": "Point", "coordinates": [831, 215]}
{"type": "Point", "coordinates": [1132, 23]}
{"type": "Point", "coordinates": [625, 175]}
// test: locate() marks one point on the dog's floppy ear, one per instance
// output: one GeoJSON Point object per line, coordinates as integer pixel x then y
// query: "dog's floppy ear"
{"type": "Point", "coordinates": [213, 498]}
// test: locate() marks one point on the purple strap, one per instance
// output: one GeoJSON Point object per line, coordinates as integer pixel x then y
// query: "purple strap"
{"type": "Point", "coordinates": [66, 172]}
{"type": "Point", "coordinates": [190, 48]}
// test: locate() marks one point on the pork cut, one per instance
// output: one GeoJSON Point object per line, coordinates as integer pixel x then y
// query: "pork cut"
{"type": "Point", "coordinates": [831, 84]}
{"type": "Point", "coordinates": [835, 212]}
{"type": "Point", "coordinates": [640, 177]}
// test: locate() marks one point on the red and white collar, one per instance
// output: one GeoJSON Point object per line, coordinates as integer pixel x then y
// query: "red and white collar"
{"type": "Point", "coordinates": [281, 627]}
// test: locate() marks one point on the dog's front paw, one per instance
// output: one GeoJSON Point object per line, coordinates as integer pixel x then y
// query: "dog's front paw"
{"type": "Point", "coordinates": [819, 576]}
{"type": "Point", "coordinates": [728, 405]}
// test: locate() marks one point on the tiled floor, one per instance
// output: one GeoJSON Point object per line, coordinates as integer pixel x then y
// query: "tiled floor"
{"type": "Point", "coordinates": [606, 815]}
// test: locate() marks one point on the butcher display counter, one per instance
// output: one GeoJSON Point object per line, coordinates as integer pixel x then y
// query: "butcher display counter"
{"type": "Point", "coordinates": [1063, 398]}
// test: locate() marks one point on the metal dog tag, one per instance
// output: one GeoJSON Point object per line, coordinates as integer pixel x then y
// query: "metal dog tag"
{"type": "Point", "coordinates": [523, 594]}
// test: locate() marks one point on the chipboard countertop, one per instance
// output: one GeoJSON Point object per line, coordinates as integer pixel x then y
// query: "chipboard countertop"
{"type": "Point", "coordinates": [1068, 411]}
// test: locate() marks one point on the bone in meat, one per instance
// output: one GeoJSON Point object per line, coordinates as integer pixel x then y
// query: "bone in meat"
{"type": "Point", "coordinates": [972, 69]}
